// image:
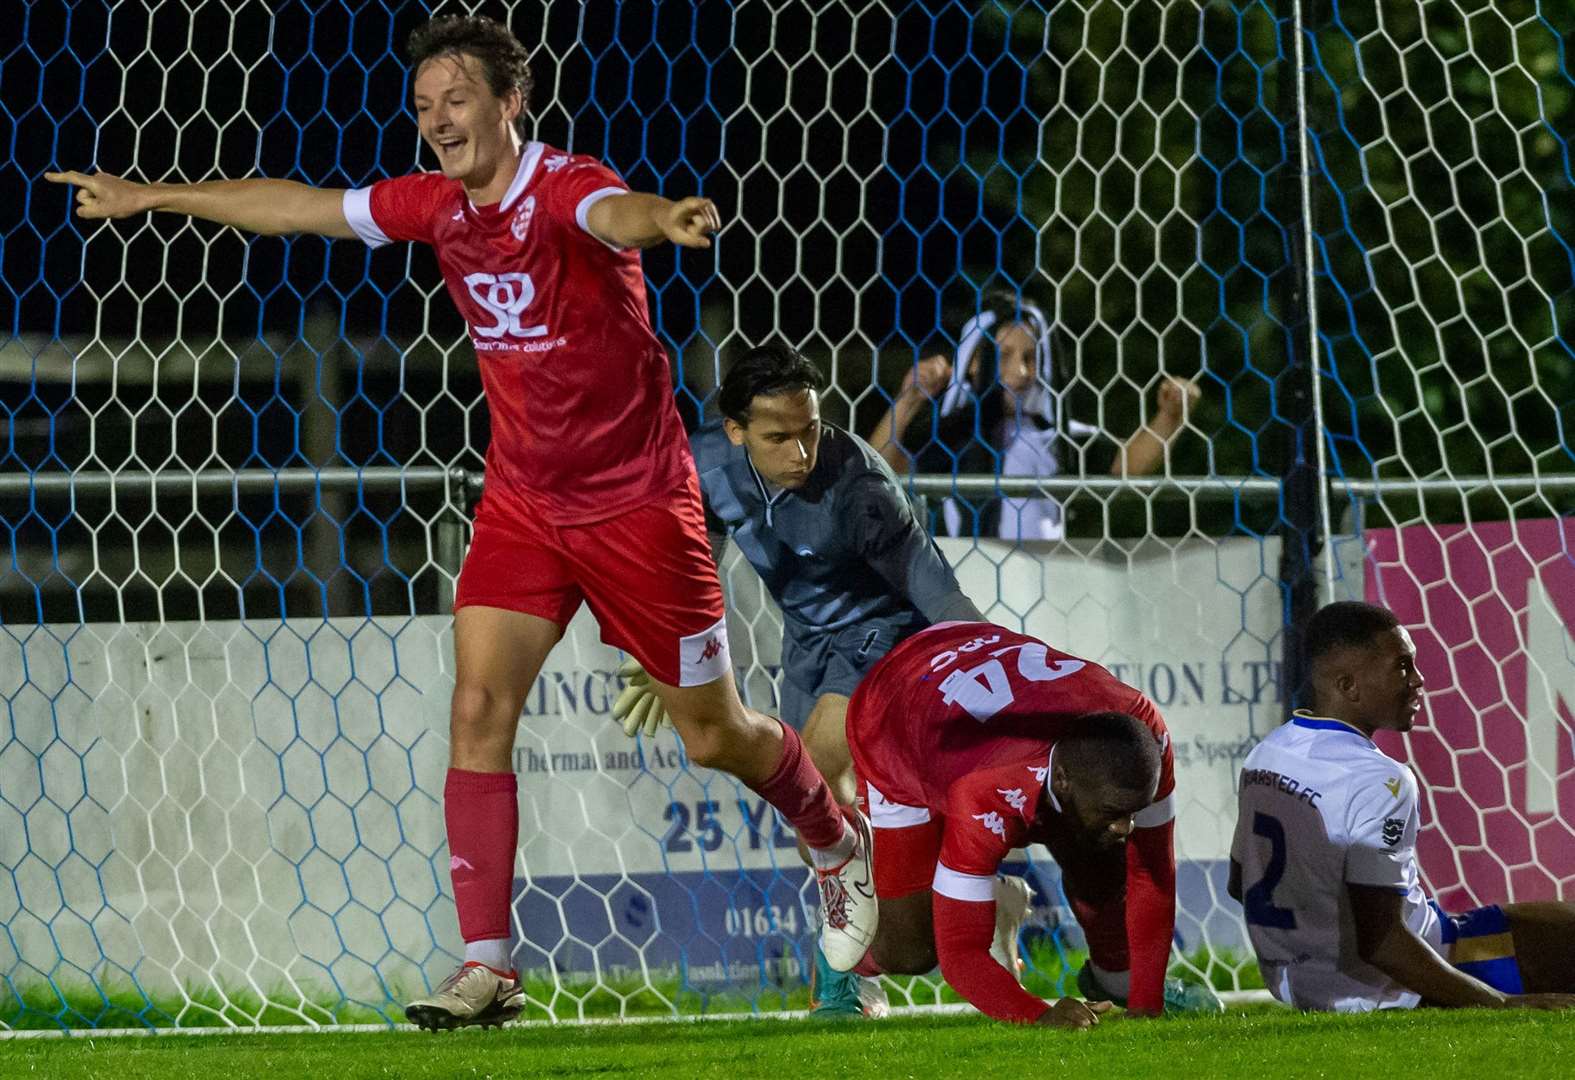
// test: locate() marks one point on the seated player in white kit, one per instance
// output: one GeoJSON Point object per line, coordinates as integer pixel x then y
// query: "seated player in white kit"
{"type": "Point", "coordinates": [1324, 859]}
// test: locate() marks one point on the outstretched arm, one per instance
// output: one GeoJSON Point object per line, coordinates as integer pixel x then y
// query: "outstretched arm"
{"type": "Point", "coordinates": [637, 220]}
{"type": "Point", "coordinates": [267, 207]}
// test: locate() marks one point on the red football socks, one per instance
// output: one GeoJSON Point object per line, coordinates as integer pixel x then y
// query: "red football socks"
{"type": "Point", "coordinates": [482, 813]}
{"type": "Point", "coordinates": [800, 794]}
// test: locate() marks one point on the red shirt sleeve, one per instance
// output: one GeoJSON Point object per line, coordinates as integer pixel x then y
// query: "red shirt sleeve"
{"type": "Point", "coordinates": [573, 188]}
{"type": "Point", "coordinates": [1151, 880]}
{"type": "Point", "coordinates": [400, 208]}
{"type": "Point", "coordinates": [963, 933]}
{"type": "Point", "coordinates": [1151, 914]}
{"type": "Point", "coordinates": [987, 815]}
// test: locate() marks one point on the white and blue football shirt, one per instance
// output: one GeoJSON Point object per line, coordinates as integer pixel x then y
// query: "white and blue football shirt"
{"type": "Point", "coordinates": [1320, 807]}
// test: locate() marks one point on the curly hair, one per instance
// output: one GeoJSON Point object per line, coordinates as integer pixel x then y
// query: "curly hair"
{"type": "Point", "coordinates": [504, 61]}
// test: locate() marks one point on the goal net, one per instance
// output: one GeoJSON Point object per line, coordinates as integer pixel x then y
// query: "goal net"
{"type": "Point", "coordinates": [236, 472]}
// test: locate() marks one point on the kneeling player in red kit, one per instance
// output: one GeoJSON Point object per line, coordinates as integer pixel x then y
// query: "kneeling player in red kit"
{"type": "Point", "coordinates": [970, 740]}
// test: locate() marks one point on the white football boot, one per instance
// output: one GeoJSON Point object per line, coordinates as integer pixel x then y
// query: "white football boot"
{"type": "Point", "coordinates": [848, 909]}
{"type": "Point", "coordinates": [474, 996]}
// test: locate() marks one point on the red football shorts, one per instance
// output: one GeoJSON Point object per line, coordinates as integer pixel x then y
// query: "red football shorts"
{"type": "Point", "coordinates": [907, 844]}
{"type": "Point", "coordinates": [647, 575]}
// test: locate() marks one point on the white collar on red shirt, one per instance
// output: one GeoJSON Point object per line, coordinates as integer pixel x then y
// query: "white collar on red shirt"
{"type": "Point", "coordinates": [1055, 803]}
{"type": "Point", "coordinates": [530, 156]}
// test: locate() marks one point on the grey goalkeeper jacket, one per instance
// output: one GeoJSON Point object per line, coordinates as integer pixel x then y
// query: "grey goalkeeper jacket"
{"type": "Point", "coordinates": [844, 549]}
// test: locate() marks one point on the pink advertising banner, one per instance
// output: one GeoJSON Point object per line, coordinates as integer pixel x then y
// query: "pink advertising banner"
{"type": "Point", "coordinates": [1492, 610]}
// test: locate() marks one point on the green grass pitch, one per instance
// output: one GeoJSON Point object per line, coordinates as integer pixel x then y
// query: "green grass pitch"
{"type": "Point", "coordinates": [1259, 1042]}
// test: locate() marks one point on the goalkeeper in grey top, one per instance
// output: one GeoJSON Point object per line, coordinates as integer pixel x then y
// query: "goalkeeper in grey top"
{"type": "Point", "coordinates": [822, 519]}
{"type": "Point", "coordinates": [824, 522]}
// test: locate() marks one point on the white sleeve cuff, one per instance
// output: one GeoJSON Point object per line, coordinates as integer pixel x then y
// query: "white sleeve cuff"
{"type": "Point", "coordinates": [1156, 813]}
{"type": "Point", "coordinates": [972, 887]}
{"type": "Point", "coordinates": [358, 212]}
{"type": "Point", "coordinates": [582, 211]}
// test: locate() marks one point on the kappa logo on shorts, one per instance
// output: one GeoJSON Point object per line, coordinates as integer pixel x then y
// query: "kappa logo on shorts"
{"type": "Point", "coordinates": [1394, 829]}
{"type": "Point", "coordinates": [703, 655]}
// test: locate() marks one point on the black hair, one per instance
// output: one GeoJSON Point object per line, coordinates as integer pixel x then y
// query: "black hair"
{"type": "Point", "coordinates": [765, 370]}
{"type": "Point", "coordinates": [1114, 748]}
{"type": "Point", "coordinates": [504, 61]}
{"type": "Point", "coordinates": [1342, 625]}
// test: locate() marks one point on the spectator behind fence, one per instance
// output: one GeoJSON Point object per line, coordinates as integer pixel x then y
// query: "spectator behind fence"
{"type": "Point", "coordinates": [997, 413]}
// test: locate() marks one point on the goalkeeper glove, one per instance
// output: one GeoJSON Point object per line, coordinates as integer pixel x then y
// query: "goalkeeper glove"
{"type": "Point", "coordinates": [638, 708]}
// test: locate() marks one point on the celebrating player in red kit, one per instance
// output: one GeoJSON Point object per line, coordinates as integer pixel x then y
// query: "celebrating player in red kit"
{"type": "Point", "coordinates": [970, 740]}
{"type": "Point", "coordinates": [590, 489]}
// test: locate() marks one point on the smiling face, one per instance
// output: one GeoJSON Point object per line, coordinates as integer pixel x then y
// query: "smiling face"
{"type": "Point", "coordinates": [470, 129]}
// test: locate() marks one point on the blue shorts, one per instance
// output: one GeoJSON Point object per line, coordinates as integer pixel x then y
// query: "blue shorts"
{"type": "Point", "coordinates": [1480, 944]}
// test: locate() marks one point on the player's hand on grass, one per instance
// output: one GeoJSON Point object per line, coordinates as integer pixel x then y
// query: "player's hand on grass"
{"type": "Point", "coordinates": [638, 707]}
{"type": "Point", "coordinates": [1072, 1012]}
{"type": "Point", "coordinates": [103, 195]}
{"type": "Point", "coordinates": [1547, 1002]}
{"type": "Point", "coordinates": [688, 222]}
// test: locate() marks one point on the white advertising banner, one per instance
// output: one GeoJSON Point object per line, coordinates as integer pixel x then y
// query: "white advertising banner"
{"type": "Point", "coordinates": [262, 802]}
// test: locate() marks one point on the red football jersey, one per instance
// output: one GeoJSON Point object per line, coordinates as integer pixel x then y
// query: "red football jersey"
{"type": "Point", "coordinates": [583, 419]}
{"type": "Point", "coordinates": [961, 720]}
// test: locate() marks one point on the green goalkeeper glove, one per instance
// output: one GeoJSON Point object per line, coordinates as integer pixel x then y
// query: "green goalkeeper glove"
{"type": "Point", "coordinates": [638, 707]}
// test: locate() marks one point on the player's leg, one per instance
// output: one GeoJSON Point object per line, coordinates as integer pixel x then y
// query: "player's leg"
{"type": "Point", "coordinates": [826, 739]}
{"type": "Point", "coordinates": [833, 669]}
{"type": "Point", "coordinates": [1515, 948]}
{"type": "Point", "coordinates": [907, 846]}
{"type": "Point", "coordinates": [649, 579]}
{"type": "Point", "coordinates": [1544, 939]}
{"type": "Point", "coordinates": [497, 656]}
{"type": "Point", "coordinates": [511, 606]}
{"type": "Point", "coordinates": [844, 661]}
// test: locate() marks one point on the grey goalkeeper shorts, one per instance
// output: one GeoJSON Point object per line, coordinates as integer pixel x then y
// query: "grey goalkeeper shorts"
{"type": "Point", "coordinates": [818, 663]}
